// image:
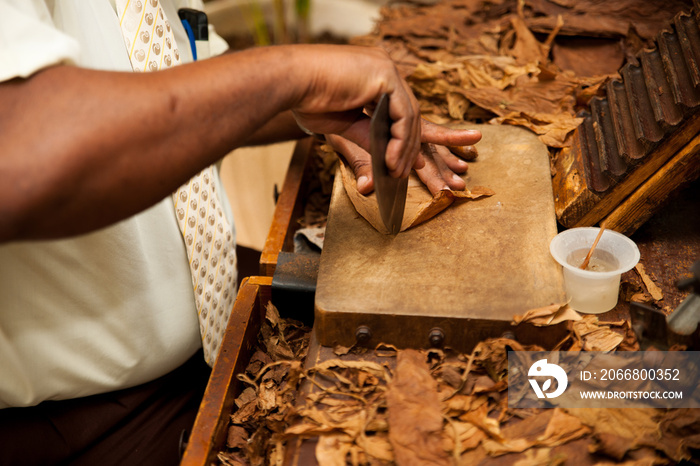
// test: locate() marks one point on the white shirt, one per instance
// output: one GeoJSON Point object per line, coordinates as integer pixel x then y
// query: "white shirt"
{"type": "Point", "coordinates": [106, 310]}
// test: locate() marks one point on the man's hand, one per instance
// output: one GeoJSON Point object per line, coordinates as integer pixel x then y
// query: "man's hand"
{"type": "Point", "coordinates": [441, 169]}
{"type": "Point", "coordinates": [345, 83]}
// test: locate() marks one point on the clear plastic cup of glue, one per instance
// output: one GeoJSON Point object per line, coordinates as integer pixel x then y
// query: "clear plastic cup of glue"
{"type": "Point", "coordinates": [595, 289]}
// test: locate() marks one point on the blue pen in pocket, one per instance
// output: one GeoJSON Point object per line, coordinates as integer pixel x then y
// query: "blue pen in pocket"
{"type": "Point", "coordinates": [197, 27]}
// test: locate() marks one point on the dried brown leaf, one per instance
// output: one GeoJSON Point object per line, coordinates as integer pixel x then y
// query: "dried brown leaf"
{"type": "Point", "coordinates": [468, 435]}
{"type": "Point", "coordinates": [632, 423]}
{"type": "Point", "coordinates": [451, 375]}
{"type": "Point", "coordinates": [562, 428]}
{"type": "Point", "coordinates": [272, 314]}
{"type": "Point", "coordinates": [540, 457]}
{"type": "Point", "coordinates": [246, 396]}
{"type": "Point", "coordinates": [479, 417]}
{"type": "Point", "coordinates": [371, 367]}
{"type": "Point", "coordinates": [414, 412]}
{"type": "Point", "coordinates": [612, 445]}
{"type": "Point", "coordinates": [652, 287]}
{"type": "Point", "coordinates": [245, 413]}
{"type": "Point", "coordinates": [237, 438]}
{"type": "Point", "coordinates": [526, 49]}
{"type": "Point", "coordinates": [309, 429]}
{"type": "Point", "coordinates": [505, 446]}
{"type": "Point", "coordinates": [549, 428]}
{"type": "Point", "coordinates": [603, 339]}
{"type": "Point", "coordinates": [377, 446]}
{"type": "Point", "coordinates": [332, 450]}
{"type": "Point", "coordinates": [678, 434]}
{"type": "Point", "coordinates": [340, 350]}
{"type": "Point", "coordinates": [596, 336]}
{"type": "Point", "coordinates": [420, 204]}
{"type": "Point", "coordinates": [232, 459]}
{"type": "Point", "coordinates": [259, 360]}
{"type": "Point", "coordinates": [267, 396]}
{"type": "Point", "coordinates": [548, 315]}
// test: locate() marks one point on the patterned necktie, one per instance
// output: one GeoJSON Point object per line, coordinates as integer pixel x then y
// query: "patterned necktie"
{"type": "Point", "coordinates": [210, 249]}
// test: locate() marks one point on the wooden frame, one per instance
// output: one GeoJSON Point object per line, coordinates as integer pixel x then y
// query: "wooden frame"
{"type": "Point", "coordinates": [210, 428]}
{"type": "Point", "coordinates": [289, 207]}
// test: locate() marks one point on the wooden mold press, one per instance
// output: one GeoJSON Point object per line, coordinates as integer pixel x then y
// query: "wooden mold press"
{"type": "Point", "coordinates": [458, 278]}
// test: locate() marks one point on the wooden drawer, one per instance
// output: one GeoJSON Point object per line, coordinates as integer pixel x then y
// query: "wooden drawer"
{"type": "Point", "coordinates": [210, 428]}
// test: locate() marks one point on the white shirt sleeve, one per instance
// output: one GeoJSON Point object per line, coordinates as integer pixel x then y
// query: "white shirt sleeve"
{"type": "Point", "coordinates": [29, 41]}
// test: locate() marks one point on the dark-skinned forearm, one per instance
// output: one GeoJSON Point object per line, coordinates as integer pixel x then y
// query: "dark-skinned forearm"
{"type": "Point", "coordinates": [83, 149]}
{"type": "Point", "coordinates": [282, 127]}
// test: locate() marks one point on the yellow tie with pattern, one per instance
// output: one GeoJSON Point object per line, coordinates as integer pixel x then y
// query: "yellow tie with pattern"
{"type": "Point", "coordinates": [207, 235]}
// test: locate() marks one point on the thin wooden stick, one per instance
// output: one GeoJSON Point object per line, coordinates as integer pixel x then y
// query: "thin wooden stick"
{"type": "Point", "coordinates": [584, 264]}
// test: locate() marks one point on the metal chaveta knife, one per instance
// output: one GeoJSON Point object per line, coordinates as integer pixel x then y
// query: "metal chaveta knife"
{"type": "Point", "coordinates": [390, 191]}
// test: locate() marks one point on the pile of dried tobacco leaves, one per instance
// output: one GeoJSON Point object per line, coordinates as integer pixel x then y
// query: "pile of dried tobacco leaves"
{"type": "Point", "coordinates": [531, 63]}
{"type": "Point", "coordinates": [433, 407]}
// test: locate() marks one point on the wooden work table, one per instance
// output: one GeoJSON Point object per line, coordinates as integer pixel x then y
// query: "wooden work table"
{"type": "Point", "coordinates": [669, 244]}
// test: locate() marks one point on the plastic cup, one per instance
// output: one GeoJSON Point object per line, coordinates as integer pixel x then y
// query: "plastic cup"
{"type": "Point", "coordinates": [594, 290]}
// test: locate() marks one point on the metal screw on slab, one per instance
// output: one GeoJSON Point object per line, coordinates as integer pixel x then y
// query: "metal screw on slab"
{"type": "Point", "coordinates": [363, 334]}
{"type": "Point", "coordinates": [436, 337]}
{"type": "Point", "coordinates": [508, 335]}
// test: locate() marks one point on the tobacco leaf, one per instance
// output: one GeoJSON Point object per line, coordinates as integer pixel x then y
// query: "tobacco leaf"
{"type": "Point", "coordinates": [548, 315]}
{"type": "Point", "coordinates": [678, 434]}
{"type": "Point", "coordinates": [421, 206]}
{"type": "Point", "coordinates": [440, 407]}
{"type": "Point", "coordinates": [554, 130]}
{"type": "Point", "coordinates": [467, 435]}
{"type": "Point", "coordinates": [602, 19]}
{"type": "Point", "coordinates": [526, 49]}
{"type": "Point", "coordinates": [479, 417]}
{"type": "Point", "coordinates": [332, 450]}
{"type": "Point", "coordinates": [246, 396]}
{"type": "Point", "coordinates": [612, 445]}
{"type": "Point", "coordinates": [588, 57]}
{"type": "Point", "coordinates": [561, 429]}
{"type": "Point", "coordinates": [415, 417]}
{"type": "Point", "coordinates": [283, 339]}
{"type": "Point", "coordinates": [629, 341]}
{"type": "Point", "coordinates": [548, 428]}
{"type": "Point", "coordinates": [491, 356]}
{"type": "Point", "coordinates": [340, 350]}
{"type": "Point", "coordinates": [451, 376]}
{"type": "Point", "coordinates": [540, 456]}
{"type": "Point", "coordinates": [596, 336]}
{"type": "Point", "coordinates": [321, 169]}
{"type": "Point", "coordinates": [371, 367]}
{"type": "Point", "coordinates": [435, 45]}
{"type": "Point", "coordinates": [652, 287]}
{"type": "Point", "coordinates": [245, 412]}
{"type": "Point", "coordinates": [237, 437]}
{"type": "Point", "coordinates": [631, 423]}
{"type": "Point", "coordinates": [232, 459]}
{"type": "Point", "coordinates": [602, 340]}
{"type": "Point", "coordinates": [259, 360]}
{"type": "Point", "coordinates": [267, 396]}
{"type": "Point", "coordinates": [377, 446]}
{"type": "Point", "coordinates": [545, 107]}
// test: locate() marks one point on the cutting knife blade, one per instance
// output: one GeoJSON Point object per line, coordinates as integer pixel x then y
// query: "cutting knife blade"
{"type": "Point", "coordinates": [390, 191]}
